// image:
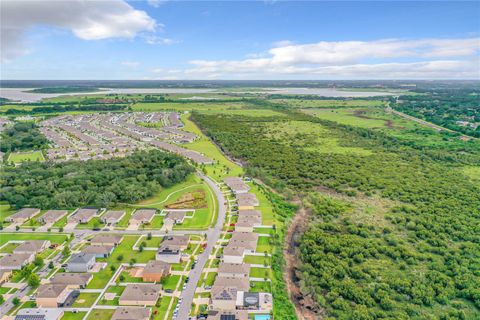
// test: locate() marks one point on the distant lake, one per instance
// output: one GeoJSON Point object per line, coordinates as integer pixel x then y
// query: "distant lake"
{"type": "Point", "coordinates": [20, 94]}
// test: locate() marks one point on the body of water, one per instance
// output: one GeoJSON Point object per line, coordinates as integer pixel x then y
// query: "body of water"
{"type": "Point", "coordinates": [22, 94]}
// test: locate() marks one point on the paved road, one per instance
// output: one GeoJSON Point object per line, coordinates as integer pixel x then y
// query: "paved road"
{"type": "Point", "coordinates": [213, 234]}
{"type": "Point", "coordinates": [8, 304]}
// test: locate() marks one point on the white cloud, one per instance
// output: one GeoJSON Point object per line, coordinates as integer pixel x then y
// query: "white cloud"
{"type": "Point", "coordinates": [156, 3]}
{"type": "Point", "coordinates": [387, 58]}
{"type": "Point", "coordinates": [88, 20]}
{"type": "Point", "coordinates": [131, 64]}
{"type": "Point", "coordinates": [156, 40]}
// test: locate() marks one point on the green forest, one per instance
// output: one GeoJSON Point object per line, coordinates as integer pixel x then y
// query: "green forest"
{"type": "Point", "coordinates": [417, 258]}
{"type": "Point", "coordinates": [22, 136]}
{"type": "Point", "coordinates": [456, 110]}
{"type": "Point", "coordinates": [102, 183]}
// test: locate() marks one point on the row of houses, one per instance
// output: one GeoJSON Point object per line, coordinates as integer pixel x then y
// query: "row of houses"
{"type": "Point", "coordinates": [230, 294]}
{"type": "Point", "coordinates": [84, 215]}
{"type": "Point", "coordinates": [103, 136]}
{"type": "Point", "coordinates": [121, 313]}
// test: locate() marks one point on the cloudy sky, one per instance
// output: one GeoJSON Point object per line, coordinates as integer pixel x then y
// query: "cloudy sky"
{"type": "Point", "coordinates": [156, 39]}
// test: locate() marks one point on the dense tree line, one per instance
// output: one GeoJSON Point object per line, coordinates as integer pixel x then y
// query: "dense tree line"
{"type": "Point", "coordinates": [22, 136]}
{"type": "Point", "coordinates": [434, 226]}
{"type": "Point", "coordinates": [457, 110]}
{"type": "Point", "coordinates": [65, 108]}
{"type": "Point", "coordinates": [101, 183]}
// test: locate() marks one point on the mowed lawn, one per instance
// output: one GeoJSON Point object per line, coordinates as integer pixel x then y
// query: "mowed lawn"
{"type": "Point", "coordinates": [121, 254]}
{"type": "Point", "coordinates": [224, 167]}
{"type": "Point", "coordinates": [19, 157]}
{"type": "Point", "coordinates": [101, 314]}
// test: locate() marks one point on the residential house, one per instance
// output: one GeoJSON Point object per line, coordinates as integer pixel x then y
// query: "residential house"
{"type": "Point", "coordinates": [242, 284]}
{"type": "Point", "coordinates": [52, 216]}
{"type": "Point", "coordinates": [233, 270]}
{"type": "Point", "coordinates": [32, 247]}
{"type": "Point", "coordinates": [254, 301]}
{"type": "Point", "coordinates": [5, 276]}
{"type": "Point", "coordinates": [232, 254]}
{"type": "Point", "coordinates": [236, 185]}
{"type": "Point", "coordinates": [142, 216]}
{"type": "Point", "coordinates": [83, 215]}
{"type": "Point", "coordinates": [175, 216]}
{"type": "Point", "coordinates": [180, 242]}
{"type": "Point", "coordinates": [228, 315]}
{"type": "Point", "coordinates": [140, 294]}
{"type": "Point", "coordinates": [80, 262]}
{"type": "Point", "coordinates": [106, 240]}
{"type": "Point", "coordinates": [98, 250]}
{"type": "Point", "coordinates": [52, 295]}
{"type": "Point", "coordinates": [72, 280]}
{"type": "Point", "coordinates": [168, 254]}
{"type": "Point", "coordinates": [223, 298]}
{"type": "Point", "coordinates": [247, 224]}
{"type": "Point", "coordinates": [247, 201]}
{"type": "Point", "coordinates": [246, 240]}
{"type": "Point", "coordinates": [39, 314]}
{"type": "Point", "coordinates": [23, 215]}
{"type": "Point", "coordinates": [112, 218]}
{"type": "Point", "coordinates": [155, 271]}
{"type": "Point", "coordinates": [131, 313]}
{"type": "Point", "coordinates": [15, 261]}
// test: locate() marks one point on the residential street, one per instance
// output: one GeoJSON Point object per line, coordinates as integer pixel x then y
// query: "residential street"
{"type": "Point", "coordinates": [213, 235]}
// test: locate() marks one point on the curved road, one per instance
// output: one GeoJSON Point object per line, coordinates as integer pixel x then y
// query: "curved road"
{"type": "Point", "coordinates": [213, 234]}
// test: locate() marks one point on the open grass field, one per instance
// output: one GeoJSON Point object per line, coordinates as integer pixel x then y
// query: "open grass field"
{"type": "Point", "coordinates": [265, 273]}
{"type": "Point", "coordinates": [473, 173]}
{"type": "Point", "coordinates": [194, 105]}
{"type": "Point", "coordinates": [162, 310]}
{"type": "Point", "coordinates": [313, 137]}
{"type": "Point", "coordinates": [246, 112]}
{"type": "Point", "coordinates": [101, 314]}
{"type": "Point", "coordinates": [304, 104]}
{"type": "Point", "coordinates": [69, 315]}
{"type": "Point", "coordinates": [121, 254]}
{"type": "Point", "coordinates": [360, 117]}
{"type": "Point", "coordinates": [19, 157]}
{"type": "Point", "coordinates": [170, 282]}
{"type": "Point", "coordinates": [85, 299]}
{"type": "Point", "coordinates": [5, 211]}
{"type": "Point", "coordinates": [224, 167]}
{"type": "Point", "coordinates": [265, 206]}
{"type": "Point", "coordinates": [202, 217]}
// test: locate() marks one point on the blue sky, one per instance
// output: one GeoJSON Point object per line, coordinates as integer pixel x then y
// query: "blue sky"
{"type": "Point", "coordinates": [240, 40]}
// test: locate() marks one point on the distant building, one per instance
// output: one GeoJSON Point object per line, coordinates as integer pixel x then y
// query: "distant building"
{"type": "Point", "coordinates": [155, 271]}
{"type": "Point", "coordinates": [15, 261]}
{"type": "Point", "coordinates": [80, 262]}
{"type": "Point", "coordinates": [140, 294]}
{"type": "Point", "coordinates": [236, 185]}
{"type": "Point", "coordinates": [32, 247]}
{"type": "Point", "coordinates": [98, 250]}
{"type": "Point", "coordinates": [83, 215]}
{"type": "Point", "coordinates": [51, 216]}
{"type": "Point", "coordinates": [106, 240]}
{"type": "Point", "coordinates": [112, 218]}
{"type": "Point", "coordinates": [23, 215]}
{"type": "Point", "coordinates": [131, 313]}
{"type": "Point", "coordinates": [52, 295]}
{"type": "Point", "coordinates": [72, 280]}
{"type": "Point", "coordinates": [39, 314]}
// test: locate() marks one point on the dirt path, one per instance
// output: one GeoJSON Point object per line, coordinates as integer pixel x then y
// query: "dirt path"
{"type": "Point", "coordinates": [304, 306]}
